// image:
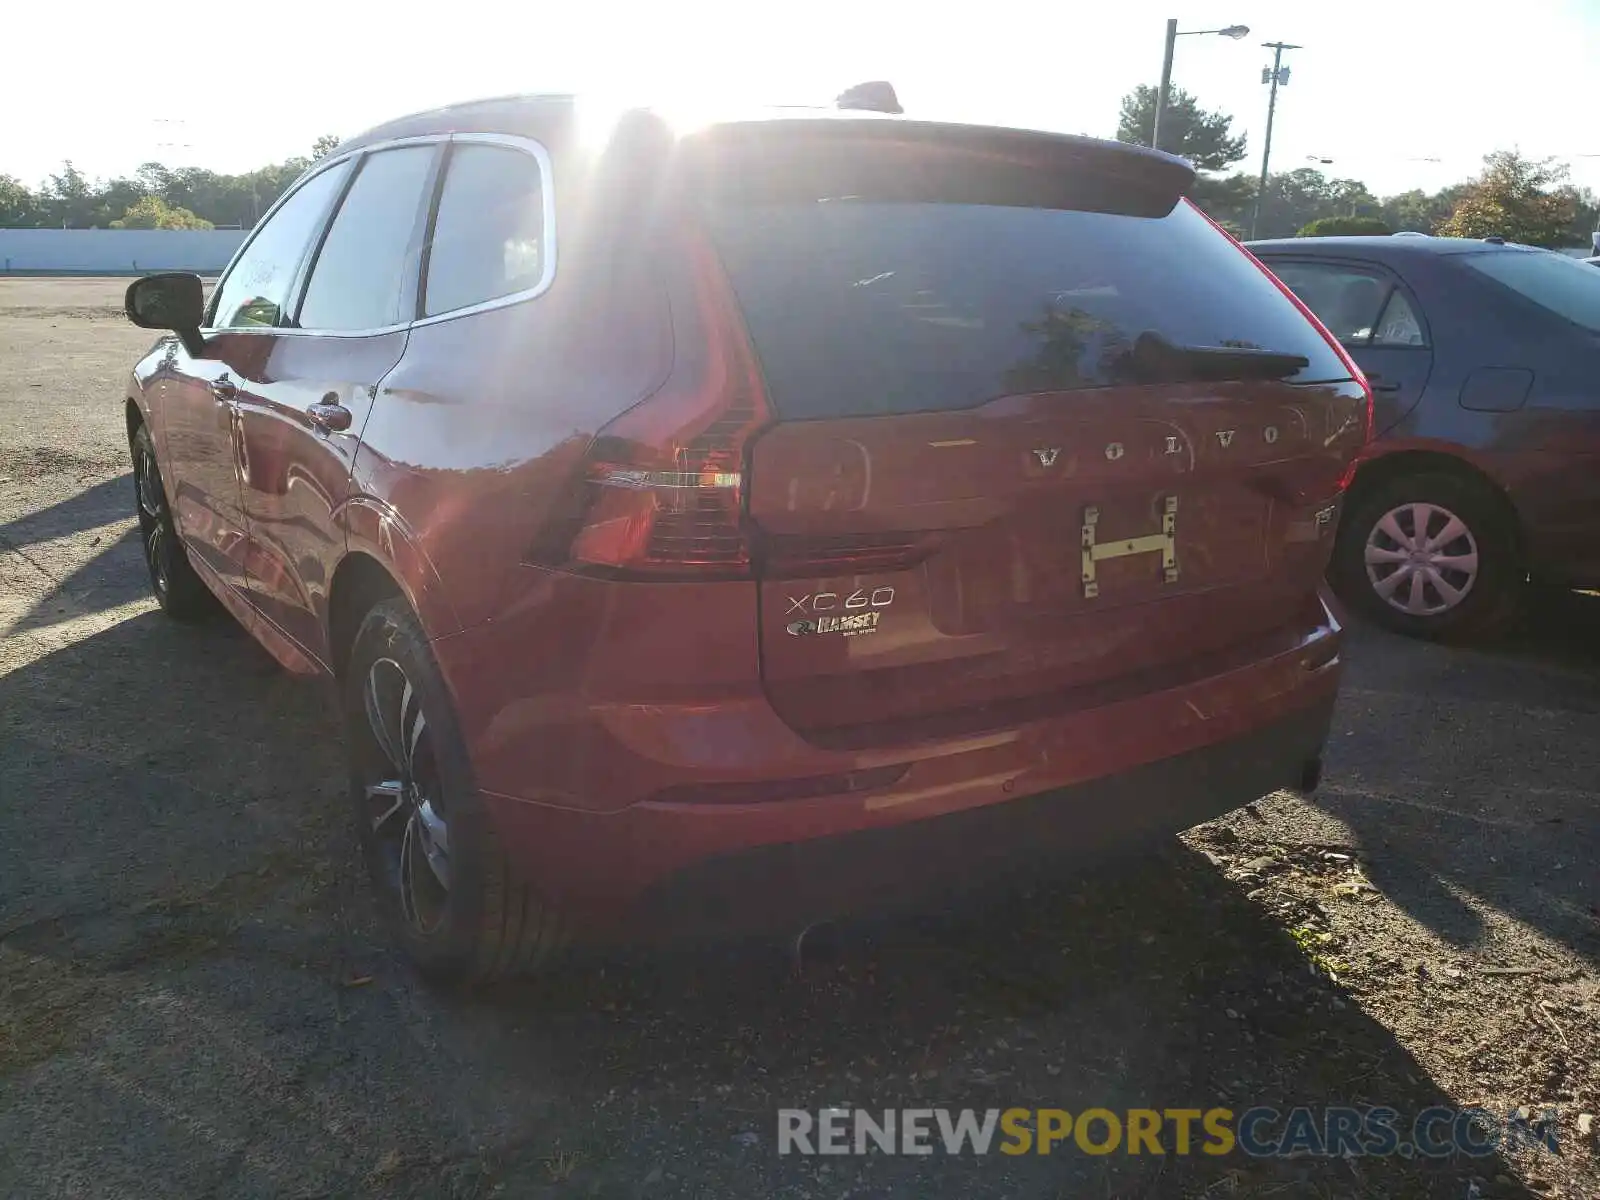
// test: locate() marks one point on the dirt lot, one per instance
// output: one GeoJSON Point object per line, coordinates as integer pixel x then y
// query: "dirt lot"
{"type": "Point", "coordinates": [196, 999]}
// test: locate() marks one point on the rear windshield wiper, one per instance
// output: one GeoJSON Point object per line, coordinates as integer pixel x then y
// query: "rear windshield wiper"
{"type": "Point", "coordinates": [1155, 359]}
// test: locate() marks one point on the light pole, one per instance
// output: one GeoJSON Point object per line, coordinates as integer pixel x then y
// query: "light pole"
{"type": "Point", "coordinates": [1275, 74]}
{"type": "Point", "coordinates": [1232, 31]}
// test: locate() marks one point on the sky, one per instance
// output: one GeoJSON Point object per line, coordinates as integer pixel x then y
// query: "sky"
{"type": "Point", "coordinates": [1402, 94]}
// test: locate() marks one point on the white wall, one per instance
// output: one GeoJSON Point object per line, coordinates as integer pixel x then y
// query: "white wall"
{"type": "Point", "coordinates": [117, 251]}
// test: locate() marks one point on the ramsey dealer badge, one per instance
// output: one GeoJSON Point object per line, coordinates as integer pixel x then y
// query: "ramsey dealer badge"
{"type": "Point", "coordinates": [850, 625]}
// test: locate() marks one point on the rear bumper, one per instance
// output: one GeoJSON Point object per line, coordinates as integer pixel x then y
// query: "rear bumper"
{"type": "Point", "coordinates": [787, 886]}
{"type": "Point", "coordinates": [963, 808]}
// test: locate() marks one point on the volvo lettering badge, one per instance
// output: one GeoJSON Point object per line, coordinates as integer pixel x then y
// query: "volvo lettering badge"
{"type": "Point", "coordinates": [821, 602]}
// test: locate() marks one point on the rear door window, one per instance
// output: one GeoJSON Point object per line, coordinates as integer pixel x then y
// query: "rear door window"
{"type": "Point", "coordinates": [1399, 326]}
{"type": "Point", "coordinates": [1348, 300]}
{"type": "Point", "coordinates": [363, 272]}
{"type": "Point", "coordinates": [861, 308]}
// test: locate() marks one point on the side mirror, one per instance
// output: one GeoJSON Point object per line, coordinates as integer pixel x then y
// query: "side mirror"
{"type": "Point", "coordinates": [175, 301]}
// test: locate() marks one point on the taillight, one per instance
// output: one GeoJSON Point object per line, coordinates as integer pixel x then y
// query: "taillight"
{"type": "Point", "coordinates": [661, 490]}
{"type": "Point", "coordinates": [1334, 343]}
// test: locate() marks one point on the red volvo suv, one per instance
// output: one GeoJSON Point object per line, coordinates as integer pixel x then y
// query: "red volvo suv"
{"type": "Point", "coordinates": [710, 527]}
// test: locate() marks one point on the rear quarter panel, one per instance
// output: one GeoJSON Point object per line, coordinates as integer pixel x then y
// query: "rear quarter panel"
{"type": "Point", "coordinates": [476, 434]}
{"type": "Point", "coordinates": [1548, 456]}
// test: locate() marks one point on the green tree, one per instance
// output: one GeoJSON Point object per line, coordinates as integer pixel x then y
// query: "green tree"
{"type": "Point", "coordinates": [1344, 227]}
{"type": "Point", "coordinates": [1517, 198]}
{"type": "Point", "coordinates": [152, 212]}
{"type": "Point", "coordinates": [1586, 215]}
{"type": "Point", "coordinates": [229, 200]}
{"type": "Point", "coordinates": [19, 208]}
{"type": "Point", "coordinates": [323, 147]}
{"type": "Point", "coordinates": [1226, 199]}
{"type": "Point", "coordinates": [154, 177]}
{"type": "Point", "coordinates": [1296, 198]}
{"type": "Point", "coordinates": [1418, 212]}
{"type": "Point", "coordinates": [72, 200]}
{"type": "Point", "coordinates": [1204, 138]}
{"type": "Point", "coordinates": [69, 198]}
{"type": "Point", "coordinates": [113, 198]}
{"type": "Point", "coordinates": [1293, 199]}
{"type": "Point", "coordinates": [1350, 198]}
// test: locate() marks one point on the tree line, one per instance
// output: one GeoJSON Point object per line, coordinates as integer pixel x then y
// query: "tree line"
{"type": "Point", "coordinates": [1520, 199]}
{"type": "Point", "coordinates": [1514, 197]}
{"type": "Point", "coordinates": [153, 197]}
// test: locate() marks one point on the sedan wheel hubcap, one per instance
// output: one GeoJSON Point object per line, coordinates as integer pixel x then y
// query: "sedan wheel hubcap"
{"type": "Point", "coordinates": [1421, 559]}
{"type": "Point", "coordinates": [403, 805]}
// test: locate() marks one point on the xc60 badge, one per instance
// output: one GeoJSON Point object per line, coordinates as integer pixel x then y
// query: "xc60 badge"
{"type": "Point", "coordinates": [830, 612]}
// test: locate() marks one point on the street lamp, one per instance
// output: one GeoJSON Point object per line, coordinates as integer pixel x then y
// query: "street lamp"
{"type": "Point", "coordinates": [1232, 31]}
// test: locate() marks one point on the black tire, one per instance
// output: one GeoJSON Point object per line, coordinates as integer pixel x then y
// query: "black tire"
{"type": "Point", "coordinates": [177, 588]}
{"type": "Point", "coordinates": [463, 915]}
{"type": "Point", "coordinates": [1489, 596]}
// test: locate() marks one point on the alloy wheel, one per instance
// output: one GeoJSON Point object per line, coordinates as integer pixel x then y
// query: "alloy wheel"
{"type": "Point", "coordinates": [403, 796]}
{"type": "Point", "coordinates": [152, 518]}
{"type": "Point", "coordinates": [1421, 559]}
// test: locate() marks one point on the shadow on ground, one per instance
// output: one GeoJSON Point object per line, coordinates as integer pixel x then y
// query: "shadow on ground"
{"type": "Point", "coordinates": [198, 1000]}
{"type": "Point", "coordinates": [1473, 772]}
{"type": "Point", "coordinates": [89, 509]}
{"type": "Point", "coordinates": [70, 579]}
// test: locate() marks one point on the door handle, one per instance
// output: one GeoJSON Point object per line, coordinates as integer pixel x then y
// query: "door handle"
{"type": "Point", "coordinates": [224, 389]}
{"type": "Point", "coordinates": [329, 415]}
{"type": "Point", "coordinates": [1372, 379]}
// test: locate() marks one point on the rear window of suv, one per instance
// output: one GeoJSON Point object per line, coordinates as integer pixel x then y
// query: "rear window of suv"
{"type": "Point", "coordinates": [863, 308]}
{"type": "Point", "coordinates": [1552, 281]}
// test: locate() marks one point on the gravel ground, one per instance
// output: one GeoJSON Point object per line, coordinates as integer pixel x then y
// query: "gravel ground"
{"type": "Point", "coordinates": [196, 999]}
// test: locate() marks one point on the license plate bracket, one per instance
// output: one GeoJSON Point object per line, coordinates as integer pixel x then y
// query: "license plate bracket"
{"type": "Point", "coordinates": [1164, 543]}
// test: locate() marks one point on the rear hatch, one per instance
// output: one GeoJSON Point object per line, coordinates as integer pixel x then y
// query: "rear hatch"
{"type": "Point", "coordinates": [1043, 434]}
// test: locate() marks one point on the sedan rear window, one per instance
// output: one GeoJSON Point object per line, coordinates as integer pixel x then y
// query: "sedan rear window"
{"type": "Point", "coordinates": [863, 308]}
{"type": "Point", "coordinates": [1564, 286]}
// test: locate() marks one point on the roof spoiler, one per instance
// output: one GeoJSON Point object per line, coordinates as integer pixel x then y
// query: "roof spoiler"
{"type": "Point", "coordinates": [911, 161]}
{"type": "Point", "coordinates": [874, 96]}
